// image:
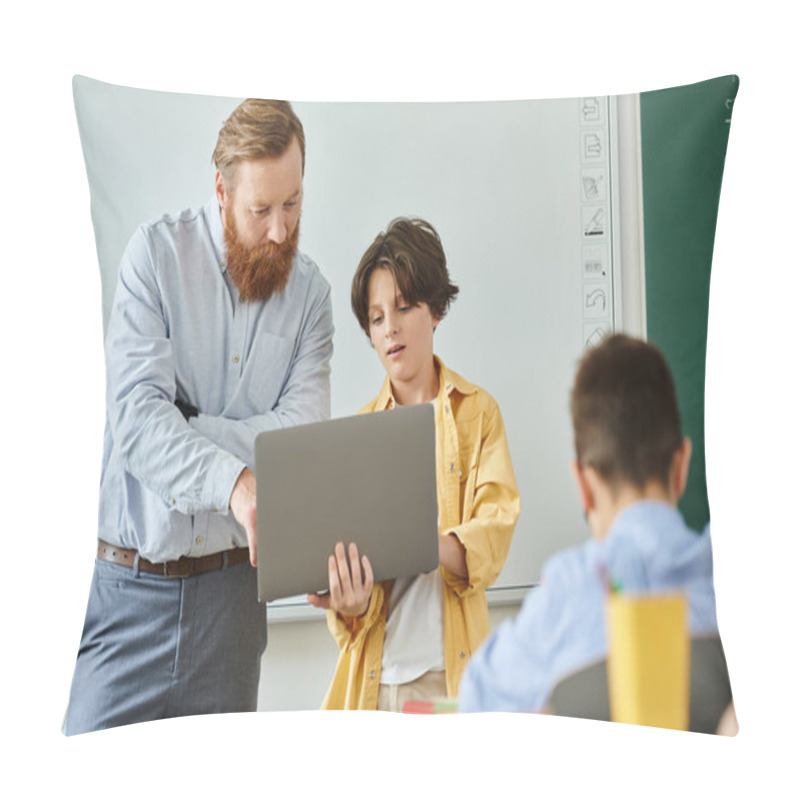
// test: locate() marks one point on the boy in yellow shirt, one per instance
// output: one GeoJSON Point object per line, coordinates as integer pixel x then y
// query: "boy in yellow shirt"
{"type": "Point", "coordinates": [410, 639]}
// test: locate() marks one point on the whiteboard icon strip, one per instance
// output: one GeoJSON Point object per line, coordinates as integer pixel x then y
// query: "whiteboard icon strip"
{"type": "Point", "coordinates": [597, 300]}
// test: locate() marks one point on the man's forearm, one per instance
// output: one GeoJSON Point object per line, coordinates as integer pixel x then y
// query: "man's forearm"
{"type": "Point", "coordinates": [306, 398]}
{"type": "Point", "coordinates": [189, 472]}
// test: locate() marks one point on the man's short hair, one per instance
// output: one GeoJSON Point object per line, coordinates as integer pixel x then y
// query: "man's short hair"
{"type": "Point", "coordinates": [412, 251]}
{"type": "Point", "coordinates": [257, 129]}
{"type": "Point", "coordinates": [625, 413]}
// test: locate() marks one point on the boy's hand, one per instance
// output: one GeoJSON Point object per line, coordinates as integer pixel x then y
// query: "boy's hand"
{"type": "Point", "coordinates": [453, 555]}
{"type": "Point", "coordinates": [348, 593]}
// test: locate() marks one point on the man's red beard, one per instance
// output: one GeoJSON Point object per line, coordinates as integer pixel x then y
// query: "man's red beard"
{"type": "Point", "coordinates": [261, 271]}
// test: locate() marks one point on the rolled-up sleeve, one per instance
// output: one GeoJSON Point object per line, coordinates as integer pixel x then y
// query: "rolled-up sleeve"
{"type": "Point", "coordinates": [488, 527]}
{"type": "Point", "coordinates": [510, 670]}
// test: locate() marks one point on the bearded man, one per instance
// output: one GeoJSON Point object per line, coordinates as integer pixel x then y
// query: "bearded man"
{"type": "Point", "coordinates": [220, 329]}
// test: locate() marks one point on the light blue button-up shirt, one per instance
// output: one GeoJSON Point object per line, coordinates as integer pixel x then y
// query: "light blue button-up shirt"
{"type": "Point", "coordinates": [178, 329]}
{"type": "Point", "coordinates": [561, 625]}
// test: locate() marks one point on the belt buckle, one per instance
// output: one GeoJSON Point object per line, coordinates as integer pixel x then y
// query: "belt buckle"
{"type": "Point", "coordinates": [186, 572]}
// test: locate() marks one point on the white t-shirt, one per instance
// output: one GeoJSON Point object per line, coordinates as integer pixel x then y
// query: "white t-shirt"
{"type": "Point", "coordinates": [413, 642]}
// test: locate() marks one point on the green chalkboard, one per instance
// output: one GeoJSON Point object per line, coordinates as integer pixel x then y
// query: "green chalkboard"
{"type": "Point", "coordinates": [684, 141]}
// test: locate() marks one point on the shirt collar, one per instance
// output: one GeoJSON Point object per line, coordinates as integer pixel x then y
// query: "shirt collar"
{"type": "Point", "coordinates": [214, 220]}
{"type": "Point", "coordinates": [645, 514]}
{"type": "Point", "coordinates": [449, 382]}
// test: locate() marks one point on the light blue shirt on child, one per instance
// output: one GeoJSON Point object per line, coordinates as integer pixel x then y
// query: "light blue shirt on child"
{"type": "Point", "coordinates": [561, 625]}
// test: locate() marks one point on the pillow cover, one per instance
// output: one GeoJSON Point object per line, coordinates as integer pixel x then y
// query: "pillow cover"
{"type": "Point", "coordinates": [562, 220]}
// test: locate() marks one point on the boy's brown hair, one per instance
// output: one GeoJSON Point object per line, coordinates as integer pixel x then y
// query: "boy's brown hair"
{"type": "Point", "coordinates": [625, 414]}
{"type": "Point", "coordinates": [412, 251]}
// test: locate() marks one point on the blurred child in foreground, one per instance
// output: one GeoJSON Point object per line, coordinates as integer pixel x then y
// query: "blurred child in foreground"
{"type": "Point", "coordinates": [631, 465]}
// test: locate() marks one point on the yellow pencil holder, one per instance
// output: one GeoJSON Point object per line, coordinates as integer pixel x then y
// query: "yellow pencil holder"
{"type": "Point", "coordinates": [648, 659]}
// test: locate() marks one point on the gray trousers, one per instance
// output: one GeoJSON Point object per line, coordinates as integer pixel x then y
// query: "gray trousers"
{"type": "Point", "coordinates": [155, 647]}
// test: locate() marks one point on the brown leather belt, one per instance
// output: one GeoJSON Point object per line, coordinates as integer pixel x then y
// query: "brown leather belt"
{"type": "Point", "coordinates": [184, 567]}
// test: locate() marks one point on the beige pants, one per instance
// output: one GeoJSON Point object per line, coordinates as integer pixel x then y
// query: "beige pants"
{"type": "Point", "coordinates": [430, 686]}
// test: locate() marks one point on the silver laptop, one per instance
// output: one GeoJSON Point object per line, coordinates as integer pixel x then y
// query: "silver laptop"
{"type": "Point", "coordinates": [368, 479]}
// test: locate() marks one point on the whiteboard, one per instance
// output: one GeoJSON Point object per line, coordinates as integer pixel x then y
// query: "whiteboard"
{"type": "Point", "coordinates": [537, 203]}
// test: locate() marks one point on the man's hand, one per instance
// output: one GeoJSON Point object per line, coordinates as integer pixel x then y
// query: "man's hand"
{"type": "Point", "coordinates": [348, 593]}
{"type": "Point", "coordinates": [243, 506]}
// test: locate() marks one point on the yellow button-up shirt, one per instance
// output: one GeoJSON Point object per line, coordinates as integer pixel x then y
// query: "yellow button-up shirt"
{"type": "Point", "coordinates": [478, 502]}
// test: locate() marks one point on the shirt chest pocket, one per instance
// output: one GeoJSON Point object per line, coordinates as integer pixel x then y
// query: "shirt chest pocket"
{"type": "Point", "coordinates": [466, 487]}
{"type": "Point", "coordinates": [264, 374]}
{"type": "Point", "coordinates": [467, 465]}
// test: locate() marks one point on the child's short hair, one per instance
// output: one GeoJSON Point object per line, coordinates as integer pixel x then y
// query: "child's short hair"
{"type": "Point", "coordinates": [412, 251]}
{"type": "Point", "coordinates": [625, 413]}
